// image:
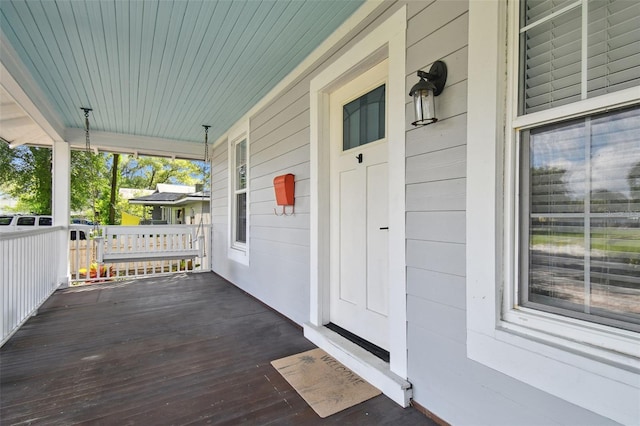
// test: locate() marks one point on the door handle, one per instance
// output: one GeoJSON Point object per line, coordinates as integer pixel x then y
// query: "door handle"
{"type": "Point", "coordinates": [386, 227]}
{"type": "Point", "coordinates": [359, 157]}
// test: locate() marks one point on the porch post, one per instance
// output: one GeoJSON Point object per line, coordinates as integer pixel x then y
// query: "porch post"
{"type": "Point", "coordinates": [61, 210]}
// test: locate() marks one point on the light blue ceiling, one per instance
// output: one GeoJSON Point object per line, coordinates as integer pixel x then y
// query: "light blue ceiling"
{"type": "Point", "coordinates": [164, 68]}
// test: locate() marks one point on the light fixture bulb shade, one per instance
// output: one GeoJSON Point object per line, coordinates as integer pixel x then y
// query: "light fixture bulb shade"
{"type": "Point", "coordinates": [424, 106]}
{"type": "Point", "coordinates": [431, 84]}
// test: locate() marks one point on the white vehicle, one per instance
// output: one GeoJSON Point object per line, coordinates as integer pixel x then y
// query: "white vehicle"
{"type": "Point", "coordinates": [21, 222]}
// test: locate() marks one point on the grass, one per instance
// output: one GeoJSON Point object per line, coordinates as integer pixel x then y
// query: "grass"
{"type": "Point", "coordinates": [617, 240]}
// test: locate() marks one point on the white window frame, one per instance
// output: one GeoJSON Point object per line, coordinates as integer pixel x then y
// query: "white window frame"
{"type": "Point", "coordinates": [584, 363]}
{"type": "Point", "coordinates": [238, 251]}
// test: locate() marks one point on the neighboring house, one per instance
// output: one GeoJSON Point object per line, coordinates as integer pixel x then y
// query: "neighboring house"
{"type": "Point", "coordinates": [492, 256]}
{"type": "Point", "coordinates": [129, 193]}
{"type": "Point", "coordinates": [175, 204]}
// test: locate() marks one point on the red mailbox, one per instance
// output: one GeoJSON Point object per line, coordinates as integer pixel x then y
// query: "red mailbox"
{"type": "Point", "coordinates": [285, 189]}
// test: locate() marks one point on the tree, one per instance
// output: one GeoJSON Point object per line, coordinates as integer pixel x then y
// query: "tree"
{"type": "Point", "coordinates": [114, 189]}
{"type": "Point", "coordinates": [634, 180]}
{"type": "Point", "coordinates": [147, 172]}
{"type": "Point", "coordinates": [25, 174]}
{"type": "Point", "coordinates": [89, 181]}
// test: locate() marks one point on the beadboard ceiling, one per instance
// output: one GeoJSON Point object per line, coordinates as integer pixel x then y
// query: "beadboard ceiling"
{"type": "Point", "coordinates": [161, 68]}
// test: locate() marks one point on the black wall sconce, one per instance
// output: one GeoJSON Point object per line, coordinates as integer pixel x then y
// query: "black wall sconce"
{"type": "Point", "coordinates": [425, 91]}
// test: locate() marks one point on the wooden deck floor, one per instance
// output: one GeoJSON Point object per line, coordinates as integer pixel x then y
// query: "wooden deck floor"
{"type": "Point", "coordinates": [189, 349]}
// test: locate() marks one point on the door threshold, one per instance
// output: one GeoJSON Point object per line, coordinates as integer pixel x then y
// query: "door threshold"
{"type": "Point", "coordinates": [368, 366]}
{"type": "Point", "coordinates": [381, 353]}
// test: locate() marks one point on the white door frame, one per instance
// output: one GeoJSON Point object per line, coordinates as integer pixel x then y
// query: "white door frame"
{"type": "Point", "coordinates": [386, 40]}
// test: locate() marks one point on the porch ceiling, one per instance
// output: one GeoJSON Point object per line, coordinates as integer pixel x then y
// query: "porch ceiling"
{"type": "Point", "coordinates": [154, 68]}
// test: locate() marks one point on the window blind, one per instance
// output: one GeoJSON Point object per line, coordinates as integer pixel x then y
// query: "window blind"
{"type": "Point", "coordinates": [534, 10]}
{"type": "Point", "coordinates": [552, 58]}
{"type": "Point", "coordinates": [582, 207]}
{"type": "Point", "coordinates": [613, 46]}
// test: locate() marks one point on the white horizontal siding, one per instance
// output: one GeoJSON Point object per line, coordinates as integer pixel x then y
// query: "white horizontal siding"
{"type": "Point", "coordinates": [435, 17]}
{"type": "Point", "coordinates": [292, 158]}
{"type": "Point", "coordinates": [278, 270]}
{"type": "Point", "coordinates": [429, 315]}
{"type": "Point", "coordinates": [447, 226]}
{"type": "Point", "coordinates": [265, 208]}
{"type": "Point", "coordinates": [288, 114]}
{"type": "Point", "coordinates": [447, 289]}
{"type": "Point", "coordinates": [444, 195]}
{"type": "Point", "coordinates": [450, 37]}
{"type": "Point", "coordinates": [444, 380]}
{"type": "Point", "coordinates": [467, 393]}
{"type": "Point", "coordinates": [438, 165]}
{"type": "Point", "coordinates": [448, 258]}
{"type": "Point", "coordinates": [219, 204]}
{"type": "Point", "coordinates": [283, 147]}
{"type": "Point", "coordinates": [449, 133]}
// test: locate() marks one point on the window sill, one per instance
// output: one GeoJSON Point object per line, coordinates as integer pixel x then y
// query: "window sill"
{"type": "Point", "coordinates": [613, 345]}
{"type": "Point", "coordinates": [239, 255]}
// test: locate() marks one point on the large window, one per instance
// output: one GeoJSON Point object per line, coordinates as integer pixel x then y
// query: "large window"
{"type": "Point", "coordinates": [580, 199]}
{"type": "Point", "coordinates": [580, 210]}
{"type": "Point", "coordinates": [553, 218]}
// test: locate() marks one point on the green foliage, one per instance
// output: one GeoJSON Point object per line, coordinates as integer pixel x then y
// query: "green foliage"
{"type": "Point", "coordinates": [89, 181]}
{"type": "Point", "coordinates": [25, 174]}
{"type": "Point", "coordinates": [147, 172]}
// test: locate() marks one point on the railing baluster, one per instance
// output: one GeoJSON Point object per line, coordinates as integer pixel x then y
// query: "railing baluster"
{"type": "Point", "coordinates": [163, 243]}
{"type": "Point", "coordinates": [26, 278]}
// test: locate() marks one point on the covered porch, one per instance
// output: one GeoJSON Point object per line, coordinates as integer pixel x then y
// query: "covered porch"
{"type": "Point", "coordinates": [179, 349]}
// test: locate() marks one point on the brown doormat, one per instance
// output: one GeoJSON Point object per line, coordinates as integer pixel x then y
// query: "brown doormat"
{"type": "Point", "coordinates": [326, 385]}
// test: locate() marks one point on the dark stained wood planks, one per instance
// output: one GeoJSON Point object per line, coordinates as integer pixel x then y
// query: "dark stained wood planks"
{"type": "Point", "coordinates": [184, 349]}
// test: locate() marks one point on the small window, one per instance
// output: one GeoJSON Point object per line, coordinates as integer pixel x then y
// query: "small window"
{"type": "Point", "coordinates": [44, 221]}
{"type": "Point", "coordinates": [239, 202]}
{"type": "Point", "coordinates": [26, 221]}
{"type": "Point", "coordinates": [364, 119]}
{"type": "Point", "coordinates": [5, 220]}
{"type": "Point", "coordinates": [241, 218]}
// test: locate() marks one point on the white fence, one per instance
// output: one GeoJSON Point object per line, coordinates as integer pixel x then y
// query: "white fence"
{"type": "Point", "coordinates": [29, 274]}
{"type": "Point", "coordinates": [124, 252]}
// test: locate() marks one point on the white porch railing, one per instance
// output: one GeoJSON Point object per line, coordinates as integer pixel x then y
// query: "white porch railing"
{"type": "Point", "coordinates": [30, 261]}
{"type": "Point", "coordinates": [137, 251]}
{"type": "Point", "coordinates": [29, 274]}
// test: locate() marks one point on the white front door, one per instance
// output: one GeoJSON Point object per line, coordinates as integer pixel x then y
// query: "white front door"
{"type": "Point", "coordinates": [359, 265]}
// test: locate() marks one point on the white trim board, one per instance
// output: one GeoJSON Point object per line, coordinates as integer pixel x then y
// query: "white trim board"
{"type": "Point", "coordinates": [360, 361]}
{"type": "Point", "coordinates": [13, 77]}
{"type": "Point", "coordinates": [120, 142]}
{"type": "Point", "coordinates": [386, 40]}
